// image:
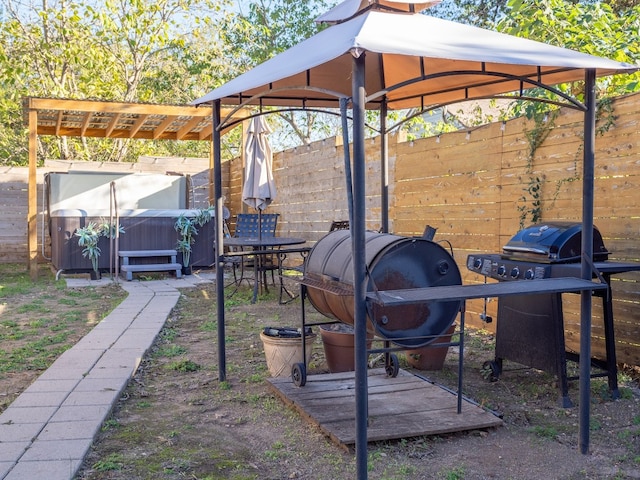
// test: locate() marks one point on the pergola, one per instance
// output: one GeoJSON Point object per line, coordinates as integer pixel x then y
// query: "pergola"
{"type": "Point", "coordinates": [103, 119]}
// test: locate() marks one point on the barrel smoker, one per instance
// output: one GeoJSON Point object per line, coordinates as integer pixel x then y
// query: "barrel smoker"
{"type": "Point", "coordinates": [392, 263]}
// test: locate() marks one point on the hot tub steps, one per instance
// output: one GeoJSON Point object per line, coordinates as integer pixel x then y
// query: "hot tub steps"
{"type": "Point", "coordinates": [169, 255]}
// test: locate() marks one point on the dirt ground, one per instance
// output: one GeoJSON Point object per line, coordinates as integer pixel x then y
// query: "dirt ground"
{"type": "Point", "coordinates": [177, 421]}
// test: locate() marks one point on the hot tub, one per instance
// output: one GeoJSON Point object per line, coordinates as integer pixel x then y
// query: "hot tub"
{"type": "Point", "coordinates": [145, 229]}
{"type": "Point", "coordinates": [147, 205]}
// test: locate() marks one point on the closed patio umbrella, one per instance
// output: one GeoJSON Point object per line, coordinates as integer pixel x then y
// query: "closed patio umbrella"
{"type": "Point", "coordinates": [259, 189]}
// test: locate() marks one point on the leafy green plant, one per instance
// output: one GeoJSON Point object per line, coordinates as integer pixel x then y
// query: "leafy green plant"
{"type": "Point", "coordinates": [545, 432]}
{"type": "Point", "coordinates": [110, 424]}
{"type": "Point", "coordinates": [186, 227]}
{"type": "Point", "coordinates": [184, 366]}
{"type": "Point", "coordinates": [456, 473]}
{"type": "Point", "coordinates": [89, 236]}
{"type": "Point", "coordinates": [532, 199]}
{"type": "Point", "coordinates": [112, 462]}
{"type": "Point", "coordinates": [171, 351]}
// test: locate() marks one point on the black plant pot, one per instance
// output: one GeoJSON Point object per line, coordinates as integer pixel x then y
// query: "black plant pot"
{"type": "Point", "coordinates": [95, 275]}
{"type": "Point", "coordinates": [186, 270]}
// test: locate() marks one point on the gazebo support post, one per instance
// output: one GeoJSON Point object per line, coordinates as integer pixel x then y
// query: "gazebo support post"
{"type": "Point", "coordinates": [587, 257]}
{"type": "Point", "coordinates": [384, 169]}
{"type": "Point", "coordinates": [219, 245]}
{"type": "Point", "coordinates": [359, 266]}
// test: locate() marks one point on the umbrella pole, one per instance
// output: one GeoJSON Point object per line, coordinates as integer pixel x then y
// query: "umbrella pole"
{"type": "Point", "coordinates": [257, 271]}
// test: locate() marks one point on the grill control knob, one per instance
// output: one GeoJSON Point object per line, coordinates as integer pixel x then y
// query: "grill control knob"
{"type": "Point", "coordinates": [515, 271]}
{"type": "Point", "coordinates": [502, 271]}
{"type": "Point", "coordinates": [529, 274]}
{"type": "Point", "coordinates": [477, 264]}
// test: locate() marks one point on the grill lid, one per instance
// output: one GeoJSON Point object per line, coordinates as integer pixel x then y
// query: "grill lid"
{"type": "Point", "coordinates": [553, 242]}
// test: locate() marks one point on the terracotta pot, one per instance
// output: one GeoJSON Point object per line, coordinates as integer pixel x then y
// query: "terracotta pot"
{"type": "Point", "coordinates": [339, 351]}
{"type": "Point", "coordinates": [430, 358]}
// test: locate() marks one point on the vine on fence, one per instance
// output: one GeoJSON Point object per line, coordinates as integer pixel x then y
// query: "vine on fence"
{"type": "Point", "coordinates": [544, 123]}
{"type": "Point", "coordinates": [532, 198]}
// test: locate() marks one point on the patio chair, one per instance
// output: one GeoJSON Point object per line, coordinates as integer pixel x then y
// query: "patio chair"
{"type": "Point", "coordinates": [290, 265]}
{"type": "Point", "coordinates": [339, 225]}
{"type": "Point", "coordinates": [248, 225]}
{"type": "Point", "coordinates": [429, 232]}
{"type": "Point", "coordinates": [285, 263]}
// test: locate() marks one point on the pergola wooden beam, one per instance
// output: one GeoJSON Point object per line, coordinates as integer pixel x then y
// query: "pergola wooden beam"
{"type": "Point", "coordinates": [137, 125]}
{"type": "Point", "coordinates": [103, 119]}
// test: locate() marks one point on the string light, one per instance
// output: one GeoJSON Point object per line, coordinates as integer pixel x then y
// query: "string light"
{"type": "Point", "coordinates": [438, 139]}
{"type": "Point", "coordinates": [468, 135]}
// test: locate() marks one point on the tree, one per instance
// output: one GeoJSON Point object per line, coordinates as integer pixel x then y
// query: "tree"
{"type": "Point", "coordinates": [480, 13]}
{"type": "Point", "coordinates": [43, 50]}
{"type": "Point", "coordinates": [591, 28]}
{"type": "Point", "coordinates": [267, 28]}
{"type": "Point", "coordinates": [603, 28]}
{"type": "Point", "coordinates": [120, 50]}
{"type": "Point", "coordinates": [488, 13]}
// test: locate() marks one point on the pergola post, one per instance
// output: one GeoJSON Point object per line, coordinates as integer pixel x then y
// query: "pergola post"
{"type": "Point", "coordinates": [32, 192]}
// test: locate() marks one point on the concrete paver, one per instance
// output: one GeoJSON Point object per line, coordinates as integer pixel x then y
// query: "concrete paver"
{"type": "Point", "coordinates": [47, 431]}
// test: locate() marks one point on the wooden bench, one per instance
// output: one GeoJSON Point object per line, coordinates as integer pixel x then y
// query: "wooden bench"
{"type": "Point", "coordinates": [170, 255]}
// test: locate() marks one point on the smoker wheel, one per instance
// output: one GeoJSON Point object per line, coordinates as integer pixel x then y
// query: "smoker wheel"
{"type": "Point", "coordinates": [491, 370]}
{"type": "Point", "coordinates": [393, 367]}
{"type": "Point", "coordinates": [299, 374]}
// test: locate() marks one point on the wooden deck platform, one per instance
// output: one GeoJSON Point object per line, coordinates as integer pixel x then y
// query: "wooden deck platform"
{"type": "Point", "coordinates": [401, 407]}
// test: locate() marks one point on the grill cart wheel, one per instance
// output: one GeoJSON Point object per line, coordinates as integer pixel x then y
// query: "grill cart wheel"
{"type": "Point", "coordinates": [299, 374]}
{"type": "Point", "coordinates": [393, 366]}
{"type": "Point", "coordinates": [491, 371]}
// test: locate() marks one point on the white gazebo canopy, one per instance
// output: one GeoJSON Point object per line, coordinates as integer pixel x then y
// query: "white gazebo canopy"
{"type": "Point", "coordinates": [413, 61]}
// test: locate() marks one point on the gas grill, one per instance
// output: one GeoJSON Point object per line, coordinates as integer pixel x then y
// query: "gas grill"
{"type": "Point", "coordinates": [535, 252]}
{"type": "Point", "coordinates": [530, 328]}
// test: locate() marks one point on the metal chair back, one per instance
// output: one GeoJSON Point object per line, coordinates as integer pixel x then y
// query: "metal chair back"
{"type": "Point", "coordinates": [339, 225]}
{"type": "Point", "coordinates": [250, 224]}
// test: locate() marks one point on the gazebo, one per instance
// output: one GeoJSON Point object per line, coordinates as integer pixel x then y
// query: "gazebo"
{"type": "Point", "coordinates": [381, 54]}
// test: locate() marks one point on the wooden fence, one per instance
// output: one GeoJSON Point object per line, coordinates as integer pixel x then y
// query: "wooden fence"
{"type": "Point", "coordinates": [474, 187]}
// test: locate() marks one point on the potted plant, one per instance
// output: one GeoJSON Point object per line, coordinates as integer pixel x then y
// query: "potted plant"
{"type": "Point", "coordinates": [89, 236]}
{"type": "Point", "coordinates": [186, 226]}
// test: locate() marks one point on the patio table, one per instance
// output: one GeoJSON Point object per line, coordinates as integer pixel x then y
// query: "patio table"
{"type": "Point", "coordinates": [260, 247]}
